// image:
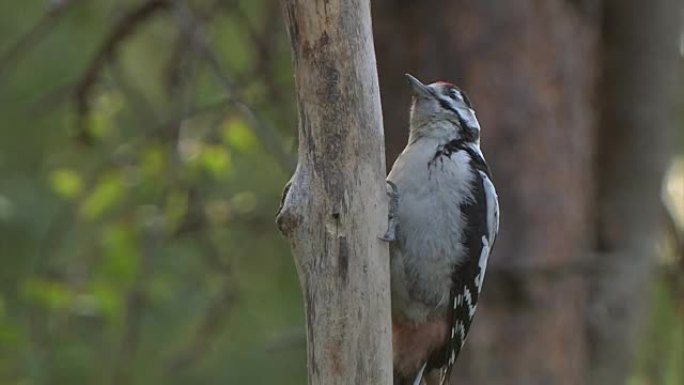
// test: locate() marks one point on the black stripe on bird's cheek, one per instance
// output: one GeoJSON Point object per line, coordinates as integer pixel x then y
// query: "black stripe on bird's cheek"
{"type": "Point", "coordinates": [444, 104]}
{"type": "Point", "coordinates": [468, 134]}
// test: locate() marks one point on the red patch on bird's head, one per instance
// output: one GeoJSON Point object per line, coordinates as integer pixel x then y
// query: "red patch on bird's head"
{"type": "Point", "coordinates": [443, 83]}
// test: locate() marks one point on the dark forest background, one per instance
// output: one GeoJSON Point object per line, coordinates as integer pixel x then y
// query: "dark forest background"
{"type": "Point", "coordinates": [144, 145]}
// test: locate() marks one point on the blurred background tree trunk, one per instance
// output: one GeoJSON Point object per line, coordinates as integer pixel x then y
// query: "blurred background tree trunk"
{"type": "Point", "coordinates": [578, 164]}
{"type": "Point", "coordinates": [639, 47]}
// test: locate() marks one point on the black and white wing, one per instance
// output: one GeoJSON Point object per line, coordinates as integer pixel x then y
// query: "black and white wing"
{"type": "Point", "coordinates": [481, 214]}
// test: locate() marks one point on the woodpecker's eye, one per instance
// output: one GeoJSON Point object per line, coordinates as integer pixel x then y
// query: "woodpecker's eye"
{"type": "Point", "coordinates": [454, 94]}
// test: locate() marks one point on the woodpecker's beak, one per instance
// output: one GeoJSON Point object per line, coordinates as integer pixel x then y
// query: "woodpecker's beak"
{"type": "Point", "coordinates": [419, 88]}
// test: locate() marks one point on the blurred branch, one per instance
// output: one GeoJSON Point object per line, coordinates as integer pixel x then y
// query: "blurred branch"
{"type": "Point", "coordinates": [264, 48]}
{"type": "Point", "coordinates": [122, 30]}
{"type": "Point", "coordinates": [183, 47]}
{"type": "Point", "coordinates": [266, 133]}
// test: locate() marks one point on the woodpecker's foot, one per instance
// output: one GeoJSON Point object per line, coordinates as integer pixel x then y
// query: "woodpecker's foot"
{"type": "Point", "coordinates": [393, 193]}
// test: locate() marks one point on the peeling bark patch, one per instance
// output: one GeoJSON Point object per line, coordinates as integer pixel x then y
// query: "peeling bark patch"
{"type": "Point", "coordinates": [343, 259]}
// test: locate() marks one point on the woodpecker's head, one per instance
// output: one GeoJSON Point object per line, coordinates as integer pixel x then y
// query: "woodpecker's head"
{"type": "Point", "coordinates": [442, 109]}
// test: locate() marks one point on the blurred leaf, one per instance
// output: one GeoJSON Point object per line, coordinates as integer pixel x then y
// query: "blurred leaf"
{"type": "Point", "coordinates": [121, 255]}
{"type": "Point", "coordinates": [102, 113]}
{"type": "Point", "coordinates": [49, 294]}
{"type": "Point", "coordinates": [67, 183]}
{"type": "Point", "coordinates": [216, 160]}
{"type": "Point", "coordinates": [99, 125]}
{"type": "Point", "coordinates": [109, 301]}
{"type": "Point", "coordinates": [152, 161]}
{"type": "Point", "coordinates": [107, 192]}
{"type": "Point", "coordinates": [236, 134]}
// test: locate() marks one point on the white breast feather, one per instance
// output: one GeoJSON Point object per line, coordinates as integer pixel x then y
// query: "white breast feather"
{"type": "Point", "coordinates": [430, 222]}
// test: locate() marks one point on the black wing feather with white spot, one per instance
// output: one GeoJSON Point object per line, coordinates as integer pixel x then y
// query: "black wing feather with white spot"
{"type": "Point", "coordinates": [481, 214]}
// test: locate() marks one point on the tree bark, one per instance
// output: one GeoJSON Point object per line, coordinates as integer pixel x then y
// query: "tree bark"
{"type": "Point", "coordinates": [336, 205]}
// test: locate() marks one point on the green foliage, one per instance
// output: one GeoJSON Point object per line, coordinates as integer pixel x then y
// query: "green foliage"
{"type": "Point", "coordinates": [236, 134]}
{"type": "Point", "coordinates": [51, 295]}
{"type": "Point", "coordinates": [147, 253]}
{"type": "Point", "coordinates": [108, 191]}
{"type": "Point", "coordinates": [66, 183]}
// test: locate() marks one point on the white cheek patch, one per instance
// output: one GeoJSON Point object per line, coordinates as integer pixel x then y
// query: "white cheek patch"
{"type": "Point", "coordinates": [469, 118]}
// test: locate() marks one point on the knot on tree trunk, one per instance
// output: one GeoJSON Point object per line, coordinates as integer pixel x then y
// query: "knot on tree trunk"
{"type": "Point", "coordinates": [287, 220]}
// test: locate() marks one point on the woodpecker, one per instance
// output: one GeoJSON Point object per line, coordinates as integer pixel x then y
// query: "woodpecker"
{"type": "Point", "coordinates": [444, 217]}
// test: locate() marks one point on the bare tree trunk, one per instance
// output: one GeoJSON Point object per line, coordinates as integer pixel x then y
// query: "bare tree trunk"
{"type": "Point", "coordinates": [639, 61]}
{"type": "Point", "coordinates": [336, 206]}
